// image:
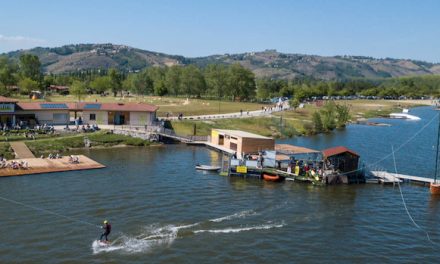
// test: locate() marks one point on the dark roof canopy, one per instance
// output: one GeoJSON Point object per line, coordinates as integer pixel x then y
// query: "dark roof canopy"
{"type": "Point", "coordinates": [336, 151]}
{"type": "Point", "coordinates": [132, 107]}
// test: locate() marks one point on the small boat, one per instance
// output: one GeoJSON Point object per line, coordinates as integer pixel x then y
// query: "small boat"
{"type": "Point", "coordinates": [207, 167]}
{"type": "Point", "coordinates": [273, 178]}
{"type": "Point", "coordinates": [404, 115]}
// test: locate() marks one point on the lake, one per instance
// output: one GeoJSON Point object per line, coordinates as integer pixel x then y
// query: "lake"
{"type": "Point", "coordinates": [163, 211]}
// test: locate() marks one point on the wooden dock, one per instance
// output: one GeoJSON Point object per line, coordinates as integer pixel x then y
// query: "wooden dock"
{"type": "Point", "coordinates": [38, 165]}
{"type": "Point", "coordinates": [388, 177]}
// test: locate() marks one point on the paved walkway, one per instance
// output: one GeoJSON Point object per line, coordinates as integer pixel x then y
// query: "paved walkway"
{"type": "Point", "coordinates": [244, 114]}
{"type": "Point", "coordinates": [21, 150]}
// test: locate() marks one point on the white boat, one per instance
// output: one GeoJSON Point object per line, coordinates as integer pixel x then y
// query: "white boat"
{"type": "Point", "coordinates": [207, 167]}
{"type": "Point", "coordinates": [404, 115]}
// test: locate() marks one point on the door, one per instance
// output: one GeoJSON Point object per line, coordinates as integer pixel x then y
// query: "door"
{"type": "Point", "coordinates": [60, 119]}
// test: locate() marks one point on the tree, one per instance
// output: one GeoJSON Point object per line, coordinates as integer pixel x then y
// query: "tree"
{"type": "Point", "coordinates": [115, 80]}
{"type": "Point", "coordinates": [328, 116]}
{"type": "Point", "coordinates": [173, 80]}
{"type": "Point", "coordinates": [27, 85]}
{"type": "Point", "coordinates": [241, 82]}
{"type": "Point", "coordinates": [101, 84]}
{"type": "Point", "coordinates": [216, 77]}
{"type": "Point", "coordinates": [301, 92]}
{"type": "Point", "coordinates": [294, 103]}
{"type": "Point", "coordinates": [30, 67]}
{"type": "Point", "coordinates": [317, 122]}
{"type": "Point", "coordinates": [7, 75]}
{"type": "Point", "coordinates": [342, 115]}
{"type": "Point", "coordinates": [78, 89]}
{"type": "Point", "coordinates": [192, 81]}
{"type": "Point", "coordinates": [160, 88]}
{"type": "Point", "coordinates": [157, 76]}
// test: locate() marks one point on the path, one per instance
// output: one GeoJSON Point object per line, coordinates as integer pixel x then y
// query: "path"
{"type": "Point", "coordinates": [21, 150]}
{"type": "Point", "coordinates": [244, 114]}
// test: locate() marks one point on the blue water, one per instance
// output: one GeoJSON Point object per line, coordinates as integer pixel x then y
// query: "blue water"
{"type": "Point", "coordinates": [163, 211]}
{"type": "Point", "coordinates": [414, 143]}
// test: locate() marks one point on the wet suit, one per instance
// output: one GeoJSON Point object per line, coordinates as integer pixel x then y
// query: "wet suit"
{"type": "Point", "coordinates": [108, 229]}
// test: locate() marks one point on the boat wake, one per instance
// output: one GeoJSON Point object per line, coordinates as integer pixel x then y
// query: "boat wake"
{"type": "Point", "coordinates": [155, 236]}
{"type": "Point", "coordinates": [241, 229]}
{"type": "Point", "coordinates": [241, 214]}
{"type": "Point", "coordinates": [151, 237]}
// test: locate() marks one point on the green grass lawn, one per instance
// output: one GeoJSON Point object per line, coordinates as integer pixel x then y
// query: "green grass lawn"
{"type": "Point", "coordinates": [6, 150]}
{"type": "Point", "coordinates": [65, 143]}
{"type": "Point", "coordinates": [265, 126]}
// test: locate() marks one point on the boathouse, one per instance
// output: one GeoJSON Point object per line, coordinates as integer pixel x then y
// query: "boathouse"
{"type": "Point", "coordinates": [341, 159]}
{"type": "Point", "coordinates": [343, 164]}
{"type": "Point", "coordinates": [241, 141]}
{"type": "Point", "coordinates": [59, 113]}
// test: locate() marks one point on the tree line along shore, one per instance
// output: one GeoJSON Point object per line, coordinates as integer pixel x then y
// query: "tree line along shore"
{"type": "Point", "coordinates": [214, 89]}
{"type": "Point", "coordinates": [216, 81]}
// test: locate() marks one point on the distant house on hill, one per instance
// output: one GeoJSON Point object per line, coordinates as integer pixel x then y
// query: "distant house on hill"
{"type": "Point", "coordinates": [59, 89]}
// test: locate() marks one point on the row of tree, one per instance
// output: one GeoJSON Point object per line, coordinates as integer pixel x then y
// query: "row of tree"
{"type": "Point", "coordinates": [413, 86]}
{"type": "Point", "coordinates": [215, 81]}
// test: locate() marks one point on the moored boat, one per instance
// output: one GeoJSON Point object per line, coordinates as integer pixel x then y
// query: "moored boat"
{"type": "Point", "coordinates": [207, 167]}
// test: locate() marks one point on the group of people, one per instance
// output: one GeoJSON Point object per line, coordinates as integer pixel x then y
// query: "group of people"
{"type": "Point", "coordinates": [54, 156]}
{"type": "Point", "coordinates": [73, 159]}
{"type": "Point", "coordinates": [245, 156]}
{"type": "Point", "coordinates": [84, 128]}
{"type": "Point", "coordinates": [14, 164]}
{"type": "Point", "coordinates": [304, 168]}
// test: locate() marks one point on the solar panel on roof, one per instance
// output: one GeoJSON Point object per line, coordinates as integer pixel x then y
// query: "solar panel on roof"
{"type": "Point", "coordinates": [92, 106]}
{"type": "Point", "coordinates": [53, 106]}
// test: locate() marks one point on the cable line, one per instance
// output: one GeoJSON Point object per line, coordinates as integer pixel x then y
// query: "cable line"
{"type": "Point", "coordinates": [48, 212]}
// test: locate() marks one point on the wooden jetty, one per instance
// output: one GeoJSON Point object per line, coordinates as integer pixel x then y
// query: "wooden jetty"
{"type": "Point", "coordinates": [38, 165]}
{"type": "Point", "coordinates": [388, 177]}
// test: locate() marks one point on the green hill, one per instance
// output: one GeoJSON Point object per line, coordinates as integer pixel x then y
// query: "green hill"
{"type": "Point", "coordinates": [269, 63]}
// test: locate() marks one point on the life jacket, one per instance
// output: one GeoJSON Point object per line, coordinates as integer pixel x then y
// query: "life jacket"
{"type": "Point", "coordinates": [108, 228]}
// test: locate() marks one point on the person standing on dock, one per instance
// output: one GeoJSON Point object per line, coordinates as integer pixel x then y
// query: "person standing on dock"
{"type": "Point", "coordinates": [107, 229]}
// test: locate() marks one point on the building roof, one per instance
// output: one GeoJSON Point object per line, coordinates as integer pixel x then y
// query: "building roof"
{"type": "Point", "coordinates": [7, 100]}
{"type": "Point", "coordinates": [291, 149]}
{"type": "Point", "coordinates": [242, 134]}
{"type": "Point", "coordinates": [336, 151]}
{"type": "Point", "coordinates": [131, 107]}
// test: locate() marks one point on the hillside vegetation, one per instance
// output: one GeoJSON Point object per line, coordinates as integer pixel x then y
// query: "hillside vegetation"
{"type": "Point", "coordinates": [265, 64]}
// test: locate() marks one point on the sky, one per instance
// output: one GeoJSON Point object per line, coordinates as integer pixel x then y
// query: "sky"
{"type": "Point", "coordinates": [378, 28]}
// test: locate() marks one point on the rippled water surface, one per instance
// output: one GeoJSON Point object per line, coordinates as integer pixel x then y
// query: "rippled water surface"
{"type": "Point", "coordinates": [163, 211]}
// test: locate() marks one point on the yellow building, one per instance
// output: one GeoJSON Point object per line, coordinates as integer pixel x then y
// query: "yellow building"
{"type": "Point", "coordinates": [241, 141]}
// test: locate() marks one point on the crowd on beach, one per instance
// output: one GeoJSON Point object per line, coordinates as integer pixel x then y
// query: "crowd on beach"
{"type": "Point", "coordinates": [72, 158]}
{"type": "Point", "coordinates": [23, 164]}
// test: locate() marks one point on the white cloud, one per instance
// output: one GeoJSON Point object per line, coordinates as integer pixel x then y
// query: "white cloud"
{"type": "Point", "coordinates": [10, 43]}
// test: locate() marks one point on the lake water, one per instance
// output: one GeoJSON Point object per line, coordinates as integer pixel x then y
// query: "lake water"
{"type": "Point", "coordinates": [163, 211]}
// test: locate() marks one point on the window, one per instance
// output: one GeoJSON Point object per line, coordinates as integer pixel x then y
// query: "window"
{"type": "Point", "coordinates": [92, 117]}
